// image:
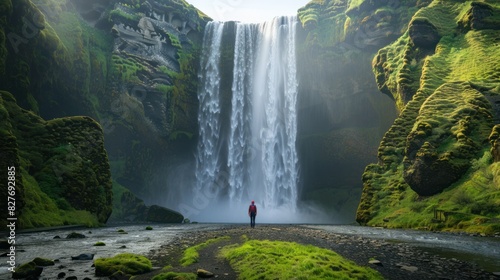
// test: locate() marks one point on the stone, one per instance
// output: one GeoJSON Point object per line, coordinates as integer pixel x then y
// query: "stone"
{"type": "Point", "coordinates": [160, 214]}
{"type": "Point", "coordinates": [43, 262]}
{"type": "Point", "coordinates": [375, 262]}
{"type": "Point", "coordinates": [423, 33]}
{"type": "Point", "coordinates": [27, 270]}
{"type": "Point", "coordinates": [75, 235]}
{"type": "Point", "coordinates": [202, 273]}
{"type": "Point", "coordinates": [83, 257]}
{"type": "Point", "coordinates": [61, 275]}
{"type": "Point", "coordinates": [409, 268]}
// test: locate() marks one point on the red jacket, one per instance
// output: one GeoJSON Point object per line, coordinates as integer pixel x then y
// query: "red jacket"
{"type": "Point", "coordinates": [252, 209]}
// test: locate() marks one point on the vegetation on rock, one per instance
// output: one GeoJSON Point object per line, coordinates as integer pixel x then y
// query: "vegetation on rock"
{"type": "Point", "coordinates": [436, 158]}
{"type": "Point", "coordinates": [62, 168]}
{"type": "Point", "coordinates": [57, 59]}
{"type": "Point", "coordinates": [127, 263]}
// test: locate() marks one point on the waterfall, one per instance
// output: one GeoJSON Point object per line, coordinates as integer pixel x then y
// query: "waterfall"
{"type": "Point", "coordinates": [259, 159]}
{"type": "Point", "coordinates": [207, 164]}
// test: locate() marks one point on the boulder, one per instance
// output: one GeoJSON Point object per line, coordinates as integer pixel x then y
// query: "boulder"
{"type": "Point", "coordinates": [160, 214]}
{"type": "Point", "coordinates": [423, 33]}
{"type": "Point", "coordinates": [75, 235]}
{"type": "Point", "coordinates": [495, 143]}
{"type": "Point", "coordinates": [83, 257]}
{"type": "Point", "coordinates": [202, 273]}
{"type": "Point", "coordinates": [43, 262]}
{"type": "Point", "coordinates": [27, 270]}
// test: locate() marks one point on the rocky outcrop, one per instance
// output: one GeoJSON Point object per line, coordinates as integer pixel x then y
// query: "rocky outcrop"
{"type": "Point", "coordinates": [66, 166]}
{"type": "Point", "coordinates": [428, 167]}
{"type": "Point", "coordinates": [495, 143]}
{"type": "Point", "coordinates": [480, 16]}
{"type": "Point", "coordinates": [441, 75]}
{"type": "Point", "coordinates": [132, 67]}
{"type": "Point", "coordinates": [151, 116]}
{"type": "Point", "coordinates": [423, 34]}
{"type": "Point", "coordinates": [132, 209]}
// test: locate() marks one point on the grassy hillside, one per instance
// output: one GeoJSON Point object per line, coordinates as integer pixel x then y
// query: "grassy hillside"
{"type": "Point", "coordinates": [435, 167]}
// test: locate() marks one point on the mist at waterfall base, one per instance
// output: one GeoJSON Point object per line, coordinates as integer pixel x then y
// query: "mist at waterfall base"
{"type": "Point", "coordinates": [247, 131]}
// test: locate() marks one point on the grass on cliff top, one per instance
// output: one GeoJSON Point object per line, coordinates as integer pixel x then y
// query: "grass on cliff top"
{"type": "Point", "coordinates": [264, 259]}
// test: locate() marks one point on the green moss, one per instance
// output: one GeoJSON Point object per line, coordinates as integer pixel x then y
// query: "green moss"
{"type": "Point", "coordinates": [175, 276]}
{"type": "Point", "coordinates": [448, 117]}
{"type": "Point", "coordinates": [256, 259]}
{"type": "Point", "coordinates": [119, 15]}
{"type": "Point", "coordinates": [25, 270]}
{"type": "Point", "coordinates": [43, 262]}
{"type": "Point", "coordinates": [127, 263]}
{"type": "Point", "coordinates": [191, 254]}
{"type": "Point", "coordinates": [48, 196]}
{"type": "Point", "coordinates": [100, 244]}
{"type": "Point", "coordinates": [41, 211]}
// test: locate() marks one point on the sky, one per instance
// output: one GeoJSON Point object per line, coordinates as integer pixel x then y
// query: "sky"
{"type": "Point", "coordinates": [247, 10]}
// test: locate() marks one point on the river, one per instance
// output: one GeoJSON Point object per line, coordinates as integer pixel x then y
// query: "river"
{"type": "Point", "coordinates": [483, 251]}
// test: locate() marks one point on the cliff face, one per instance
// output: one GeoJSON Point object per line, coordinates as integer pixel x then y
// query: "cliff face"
{"type": "Point", "coordinates": [437, 157]}
{"type": "Point", "coordinates": [62, 170]}
{"type": "Point", "coordinates": [342, 115]}
{"type": "Point", "coordinates": [130, 65]}
{"type": "Point", "coordinates": [151, 116]}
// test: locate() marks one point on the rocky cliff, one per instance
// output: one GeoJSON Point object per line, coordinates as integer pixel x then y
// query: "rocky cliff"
{"type": "Point", "coordinates": [438, 165]}
{"type": "Point", "coordinates": [130, 65]}
{"type": "Point", "coordinates": [342, 115]}
{"type": "Point", "coordinates": [61, 168]}
{"type": "Point", "coordinates": [418, 79]}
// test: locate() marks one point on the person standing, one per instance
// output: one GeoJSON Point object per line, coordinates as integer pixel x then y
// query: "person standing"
{"type": "Point", "coordinates": [252, 212]}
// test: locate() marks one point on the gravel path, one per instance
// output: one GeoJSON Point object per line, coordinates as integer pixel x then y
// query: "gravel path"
{"type": "Point", "coordinates": [396, 260]}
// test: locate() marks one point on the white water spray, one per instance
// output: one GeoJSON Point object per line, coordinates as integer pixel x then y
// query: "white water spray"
{"type": "Point", "coordinates": [208, 164]}
{"type": "Point", "coordinates": [261, 157]}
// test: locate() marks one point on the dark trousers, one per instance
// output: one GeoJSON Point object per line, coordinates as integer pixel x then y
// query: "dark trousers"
{"type": "Point", "coordinates": [252, 219]}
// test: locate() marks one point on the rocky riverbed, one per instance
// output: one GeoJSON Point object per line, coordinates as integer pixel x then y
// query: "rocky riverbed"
{"type": "Point", "coordinates": [393, 256]}
{"type": "Point", "coordinates": [394, 260]}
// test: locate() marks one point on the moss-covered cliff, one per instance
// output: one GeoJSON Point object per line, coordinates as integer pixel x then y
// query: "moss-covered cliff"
{"type": "Point", "coordinates": [435, 167]}
{"type": "Point", "coordinates": [62, 170]}
{"type": "Point", "coordinates": [341, 114]}
{"type": "Point", "coordinates": [130, 65]}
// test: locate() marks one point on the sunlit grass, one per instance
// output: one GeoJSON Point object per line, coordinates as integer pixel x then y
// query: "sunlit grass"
{"type": "Point", "coordinates": [449, 118]}
{"type": "Point", "coordinates": [472, 204]}
{"type": "Point", "coordinates": [127, 263]}
{"type": "Point", "coordinates": [257, 259]}
{"type": "Point", "coordinates": [191, 254]}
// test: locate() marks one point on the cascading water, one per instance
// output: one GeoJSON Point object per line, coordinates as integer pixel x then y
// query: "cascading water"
{"type": "Point", "coordinates": [259, 159]}
{"type": "Point", "coordinates": [207, 164]}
